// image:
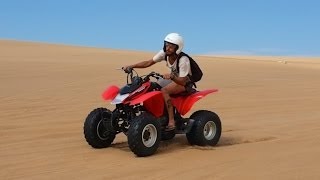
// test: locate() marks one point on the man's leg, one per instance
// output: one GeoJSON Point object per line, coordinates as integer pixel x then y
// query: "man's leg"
{"type": "Point", "coordinates": [164, 82]}
{"type": "Point", "coordinates": [171, 88]}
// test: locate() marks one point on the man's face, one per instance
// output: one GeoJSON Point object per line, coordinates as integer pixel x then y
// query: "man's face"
{"type": "Point", "coordinates": [170, 48]}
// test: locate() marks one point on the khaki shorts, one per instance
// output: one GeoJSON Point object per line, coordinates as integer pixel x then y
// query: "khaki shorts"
{"type": "Point", "coordinates": [164, 82]}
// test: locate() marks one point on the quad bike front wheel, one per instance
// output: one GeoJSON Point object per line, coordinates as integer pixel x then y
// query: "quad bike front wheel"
{"type": "Point", "coordinates": [206, 129]}
{"type": "Point", "coordinates": [144, 135]}
{"type": "Point", "coordinates": [98, 130]}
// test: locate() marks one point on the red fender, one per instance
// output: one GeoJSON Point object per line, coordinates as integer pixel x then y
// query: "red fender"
{"type": "Point", "coordinates": [184, 103]}
{"type": "Point", "coordinates": [110, 93]}
{"type": "Point", "coordinates": [152, 101]}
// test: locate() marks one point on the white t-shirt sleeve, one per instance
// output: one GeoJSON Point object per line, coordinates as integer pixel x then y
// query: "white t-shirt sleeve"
{"type": "Point", "coordinates": [160, 56]}
{"type": "Point", "coordinates": [184, 66]}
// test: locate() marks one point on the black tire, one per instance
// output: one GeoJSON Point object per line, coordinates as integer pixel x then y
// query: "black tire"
{"type": "Point", "coordinates": [95, 131]}
{"type": "Point", "coordinates": [144, 135]}
{"type": "Point", "coordinates": [206, 129]}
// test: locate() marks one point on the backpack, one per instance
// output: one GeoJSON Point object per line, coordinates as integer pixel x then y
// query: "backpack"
{"type": "Point", "coordinates": [195, 69]}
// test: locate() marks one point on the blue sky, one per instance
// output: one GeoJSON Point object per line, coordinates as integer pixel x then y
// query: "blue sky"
{"type": "Point", "coordinates": [247, 27]}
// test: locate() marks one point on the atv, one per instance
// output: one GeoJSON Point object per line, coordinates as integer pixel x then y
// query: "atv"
{"type": "Point", "coordinates": [141, 114]}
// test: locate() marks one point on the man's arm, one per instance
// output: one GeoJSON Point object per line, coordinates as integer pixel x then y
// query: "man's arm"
{"type": "Point", "coordinates": [184, 68]}
{"type": "Point", "coordinates": [179, 80]}
{"type": "Point", "coordinates": [143, 64]}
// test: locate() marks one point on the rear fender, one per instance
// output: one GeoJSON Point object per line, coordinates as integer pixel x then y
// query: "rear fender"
{"type": "Point", "coordinates": [110, 93]}
{"type": "Point", "coordinates": [152, 101]}
{"type": "Point", "coordinates": [184, 104]}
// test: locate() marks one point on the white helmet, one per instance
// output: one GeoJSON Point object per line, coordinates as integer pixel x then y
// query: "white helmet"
{"type": "Point", "coordinates": [175, 38]}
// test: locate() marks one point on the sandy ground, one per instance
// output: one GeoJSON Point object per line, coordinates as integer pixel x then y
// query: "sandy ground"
{"type": "Point", "coordinates": [269, 111]}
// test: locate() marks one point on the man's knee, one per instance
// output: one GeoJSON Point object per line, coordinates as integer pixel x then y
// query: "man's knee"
{"type": "Point", "coordinates": [165, 90]}
{"type": "Point", "coordinates": [172, 89]}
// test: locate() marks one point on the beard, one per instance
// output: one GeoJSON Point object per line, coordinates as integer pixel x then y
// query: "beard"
{"type": "Point", "coordinates": [170, 53]}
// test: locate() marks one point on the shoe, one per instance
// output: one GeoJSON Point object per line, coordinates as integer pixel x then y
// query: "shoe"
{"type": "Point", "coordinates": [170, 128]}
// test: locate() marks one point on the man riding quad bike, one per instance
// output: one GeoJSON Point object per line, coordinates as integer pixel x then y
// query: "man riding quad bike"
{"type": "Point", "coordinates": [141, 114]}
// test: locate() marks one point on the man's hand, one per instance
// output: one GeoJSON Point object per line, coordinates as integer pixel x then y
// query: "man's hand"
{"type": "Point", "coordinates": [168, 76]}
{"type": "Point", "coordinates": [127, 69]}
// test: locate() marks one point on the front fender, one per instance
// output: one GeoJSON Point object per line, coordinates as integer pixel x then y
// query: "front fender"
{"type": "Point", "coordinates": [110, 93]}
{"type": "Point", "coordinates": [152, 101]}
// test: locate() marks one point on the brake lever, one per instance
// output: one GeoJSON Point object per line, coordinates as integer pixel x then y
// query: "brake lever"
{"type": "Point", "coordinates": [159, 75]}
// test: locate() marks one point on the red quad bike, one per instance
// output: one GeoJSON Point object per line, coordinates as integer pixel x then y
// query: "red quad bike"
{"type": "Point", "coordinates": [141, 114]}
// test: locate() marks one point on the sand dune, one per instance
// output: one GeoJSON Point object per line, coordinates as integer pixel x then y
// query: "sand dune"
{"type": "Point", "coordinates": [269, 111]}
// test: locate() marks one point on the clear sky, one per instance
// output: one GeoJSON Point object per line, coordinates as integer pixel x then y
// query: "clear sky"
{"type": "Point", "coordinates": [257, 27]}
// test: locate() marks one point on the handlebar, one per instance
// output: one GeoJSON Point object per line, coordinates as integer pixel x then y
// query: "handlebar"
{"type": "Point", "coordinates": [127, 70]}
{"type": "Point", "coordinates": [144, 78]}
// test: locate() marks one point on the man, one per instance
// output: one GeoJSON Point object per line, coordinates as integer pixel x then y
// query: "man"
{"type": "Point", "coordinates": [174, 82]}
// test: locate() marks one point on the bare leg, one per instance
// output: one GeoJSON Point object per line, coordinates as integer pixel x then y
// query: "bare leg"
{"type": "Point", "coordinates": [171, 88]}
{"type": "Point", "coordinates": [170, 109]}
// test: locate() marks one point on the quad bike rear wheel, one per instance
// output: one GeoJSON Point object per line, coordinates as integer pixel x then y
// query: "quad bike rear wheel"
{"type": "Point", "coordinates": [98, 130]}
{"type": "Point", "coordinates": [144, 135]}
{"type": "Point", "coordinates": [206, 129]}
